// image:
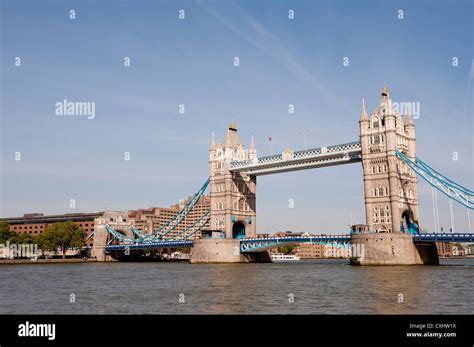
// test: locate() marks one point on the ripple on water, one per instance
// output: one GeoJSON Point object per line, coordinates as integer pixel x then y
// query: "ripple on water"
{"type": "Point", "coordinates": [306, 287]}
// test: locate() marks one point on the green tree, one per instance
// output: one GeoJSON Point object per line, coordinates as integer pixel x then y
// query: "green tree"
{"type": "Point", "coordinates": [286, 249]}
{"type": "Point", "coordinates": [62, 235]}
{"type": "Point", "coordinates": [17, 238]}
{"type": "Point", "coordinates": [44, 243]}
{"type": "Point", "coordinates": [5, 232]}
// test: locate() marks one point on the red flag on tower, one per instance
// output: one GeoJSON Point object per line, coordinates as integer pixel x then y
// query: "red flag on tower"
{"type": "Point", "coordinates": [269, 138]}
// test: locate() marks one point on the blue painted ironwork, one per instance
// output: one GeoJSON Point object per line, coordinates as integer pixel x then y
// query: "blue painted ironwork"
{"type": "Point", "coordinates": [238, 230]}
{"type": "Point", "coordinates": [443, 237]}
{"type": "Point", "coordinates": [446, 186]}
{"type": "Point", "coordinates": [299, 160]}
{"type": "Point", "coordinates": [193, 229]}
{"type": "Point", "coordinates": [118, 235]}
{"type": "Point", "coordinates": [165, 229]}
{"type": "Point", "coordinates": [260, 244]}
{"type": "Point", "coordinates": [178, 218]}
{"type": "Point", "coordinates": [137, 232]}
{"type": "Point", "coordinates": [149, 245]}
{"type": "Point", "coordinates": [90, 235]}
{"type": "Point", "coordinates": [434, 172]}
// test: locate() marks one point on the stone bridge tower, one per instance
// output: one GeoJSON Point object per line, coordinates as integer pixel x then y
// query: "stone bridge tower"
{"type": "Point", "coordinates": [390, 186]}
{"type": "Point", "coordinates": [118, 221]}
{"type": "Point", "coordinates": [233, 204]}
{"type": "Point", "coordinates": [390, 191]}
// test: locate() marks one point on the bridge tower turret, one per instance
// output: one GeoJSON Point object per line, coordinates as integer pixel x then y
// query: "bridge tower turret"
{"type": "Point", "coordinates": [233, 204]}
{"type": "Point", "coordinates": [390, 187]}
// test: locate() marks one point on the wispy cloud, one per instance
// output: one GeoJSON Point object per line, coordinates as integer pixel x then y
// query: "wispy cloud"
{"type": "Point", "coordinates": [265, 41]}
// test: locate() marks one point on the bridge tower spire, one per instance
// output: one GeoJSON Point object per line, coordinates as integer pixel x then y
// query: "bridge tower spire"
{"type": "Point", "coordinates": [390, 187]}
{"type": "Point", "coordinates": [233, 199]}
{"type": "Point", "coordinates": [363, 112]}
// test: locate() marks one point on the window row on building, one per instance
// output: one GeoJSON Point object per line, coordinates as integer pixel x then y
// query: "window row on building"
{"type": "Point", "coordinates": [219, 188]}
{"type": "Point", "coordinates": [381, 215]}
{"type": "Point", "coordinates": [402, 141]}
{"type": "Point", "coordinates": [381, 191]}
{"type": "Point", "coordinates": [377, 139]}
{"type": "Point", "coordinates": [407, 193]}
{"type": "Point", "coordinates": [376, 169]}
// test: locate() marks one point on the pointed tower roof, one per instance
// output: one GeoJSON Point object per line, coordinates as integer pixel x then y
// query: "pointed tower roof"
{"type": "Point", "coordinates": [252, 144]}
{"type": "Point", "coordinates": [213, 141]}
{"type": "Point", "coordinates": [363, 112]}
{"type": "Point", "coordinates": [409, 120]}
{"type": "Point", "coordinates": [385, 90]}
{"type": "Point", "coordinates": [232, 138]}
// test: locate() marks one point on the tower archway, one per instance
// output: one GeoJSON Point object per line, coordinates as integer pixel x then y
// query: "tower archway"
{"type": "Point", "coordinates": [238, 230]}
{"type": "Point", "coordinates": [409, 225]}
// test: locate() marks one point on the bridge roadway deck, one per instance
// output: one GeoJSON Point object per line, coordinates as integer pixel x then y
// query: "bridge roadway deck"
{"type": "Point", "coordinates": [300, 160]}
{"type": "Point", "coordinates": [259, 244]}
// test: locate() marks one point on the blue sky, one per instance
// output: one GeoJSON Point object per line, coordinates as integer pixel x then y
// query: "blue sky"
{"type": "Point", "coordinates": [190, 62]}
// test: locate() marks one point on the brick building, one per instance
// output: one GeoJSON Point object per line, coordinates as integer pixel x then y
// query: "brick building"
{"type": "Point", "coordinates": [310, 251]}
{"type": "Point", "coordinates": [36, 223]}
{"type": "Point", "coordinates": [143, 219]}
{"type": "Point", "coordinates": [445, 249]}
{"type": "Point", "coordinates": [151, 219]}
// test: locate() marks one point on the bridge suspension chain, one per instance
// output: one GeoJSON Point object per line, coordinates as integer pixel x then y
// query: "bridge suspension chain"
{"type": "Point", "coordinates": [172, 224]}
{"type": "Point", "coordinates": [442, 177]}
{"type": "Point", "coordinates": [448, 187]}
{"type": "Point", "coordinates": [193, 229]}
{"type": "Point", "coordinates": [119, 236]}
{"type": "Point", "coordinates": [179, 217]}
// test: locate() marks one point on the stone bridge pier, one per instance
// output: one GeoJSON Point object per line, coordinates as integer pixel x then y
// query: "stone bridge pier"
{"type": "Point", "coordinates": [390, 190]}
{"type": "Point", "coordinates": [118, 221]}
{"type": "Point", "coordinates": [233, 203]}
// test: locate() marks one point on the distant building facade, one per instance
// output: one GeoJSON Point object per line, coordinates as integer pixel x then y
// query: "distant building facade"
{"type": "Point", "coordinates": [36, 223]}
{"type": "Point", "coordinates": [146, 220]}
{"type": "Point", "coordinates": [451, 249]}
{"type": "Point", "coordinates": [151, 219]}
{"type": "Point", "coordinates": [310, 250]}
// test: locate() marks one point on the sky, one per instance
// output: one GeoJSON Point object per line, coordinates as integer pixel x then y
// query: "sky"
{"type": "Point", "coordinates": [190, 62]}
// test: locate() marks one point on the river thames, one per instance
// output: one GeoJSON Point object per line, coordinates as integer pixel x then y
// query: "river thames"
{"type": "Point", "coordinates": [304, 287]}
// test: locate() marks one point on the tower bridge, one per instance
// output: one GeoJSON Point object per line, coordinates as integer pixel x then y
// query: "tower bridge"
{"type": "Point", "coordinates": [290, 160]}
{"type": "Point", "coordinates": [387, 151]}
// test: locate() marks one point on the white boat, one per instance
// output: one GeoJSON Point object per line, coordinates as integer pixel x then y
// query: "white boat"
{"type": "Point", "coordinates": [180, 256]}
{"type": "Point", "coordinates": [277, 257]}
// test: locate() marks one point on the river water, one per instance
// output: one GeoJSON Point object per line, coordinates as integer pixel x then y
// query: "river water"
{"type": "Point", "coordinates": [304, 287]}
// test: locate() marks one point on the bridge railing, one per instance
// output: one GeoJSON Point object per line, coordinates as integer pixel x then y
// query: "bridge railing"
{"type": "Point", "coordinates": [304, 154]}
{"type": "Point", "coordinates": [149, 245]}
{"type": "Point", "coordinates": [444, 237]}
{"type": "Point", "coordinates": [258, 244]}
